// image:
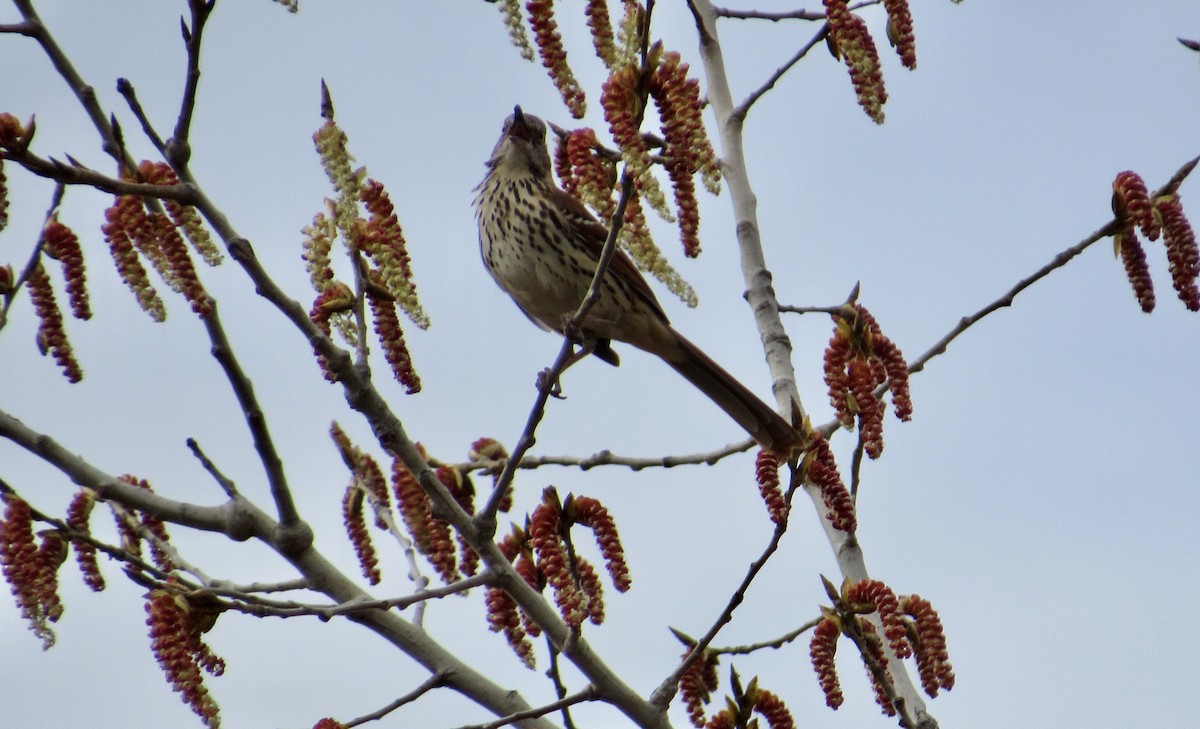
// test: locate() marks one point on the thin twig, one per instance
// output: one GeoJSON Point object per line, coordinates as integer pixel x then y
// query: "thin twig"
{"type": "Point", "coordinates": [258, 606]}
{"type": "Point", "coordinates": [437, 680]}
{"type": "Point", "coordinates": [634, 463]}
{"type": "Point", "coordinates": [25, 28]}
{"type": "Point", "coordinates": [744, 107]}
{"type": "Point", "coordinates": [226, 484]}
{"type": "Point", "coordinates": [1006, 299]}
{"type": "Point", "coordinates": [179, 149]}
{"type": "Point", "coordinates": [265, 587]}
{"type": "Point", "coordinates": [76, 174]}
{"type": "Point", "coordinates": [82, 90]}
{"type": "Point", "coordinates": [384, 514]}
{"type": "Point", "coordinates": [35, 256]}
{"type": "Point", "coordinates": [781, 641]}
{"type": "Point", "coordinates": [856, 461]}
{"type": "Point", "coordinates": [666, 690]}
{"type": "Point", "coordinates": [831, 310]}
{"type": "Point", "coordinates": [878, 671]}
{"type": "Point", "coordinates": [137, 525]}
{"type": "Point", "coordinates": [588, 693]}
{"type": "Point", "coordinates": [555, 676]}
{"type": "Point", "coordinates": [800, 14]}
{"type": "Point", "coordinates": [125, 89]}
{"type": "Point", "coordinates": [243, 390]}
{"type": "Point", "coordinates": [1060, 260]}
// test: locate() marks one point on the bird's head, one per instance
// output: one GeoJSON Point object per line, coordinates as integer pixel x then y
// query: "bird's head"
{"type": "Point", "coordinates": [522, 145]}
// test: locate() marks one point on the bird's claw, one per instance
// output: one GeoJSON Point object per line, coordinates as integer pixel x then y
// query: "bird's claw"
{"type": "Point", "coordinates": [549, 382]}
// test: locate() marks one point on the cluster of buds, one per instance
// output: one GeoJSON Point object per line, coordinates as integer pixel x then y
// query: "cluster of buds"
{"type": "Point", "coordinates": [132, 229]}
{"type": "Point", "coordinates": [766, 473]}
{"type": "Point", "coordinates": [576, 590]}
{"type": "Point", "coordinates": [391, 335]}
{"type": "Point", "coordinates": [1161, 216]}
{"type": "Point", "coordinates": [850, 41]}
{"type": "Point", "coordinates": [30, 568]}
{"type": "Point", "coordinates": [462, 489]}
{"type": "Point", "coordinates": [79, 514]}
{"type": "Point", "coordinates": [612, 49]}
{"type": "Point", "coordinates": [554, 56]}
{"type": "Point", "coordinates": [12, 135]}
{"type": "Point", "coordinates": [586, 171]}
{"type": "Point", "coordinates": [377, 249]}
{"type": "Point", "coordinates": [430, 535]}
{"type": "Point", "coordinates": [820, 469]}
{"type": "Point", "coordinates": [127, 210]}
{"type": "Point", "coordinates": [51, 336]}
{"type": "Point", "coordinates": [331, 305]}
{"type": "Point", "coordinates": [366, 484]}
{"type": "Point", "coordinates": [900, 32]}
{"type": "Point", "coordinates": [177, 620]}
{"type": "Point", "coordinates": [686, 148]}
{"type": "Point", "coordinates": [382, 240]}
{"type": "Point", "coordinates": [132, 525]}
{"type": "Point", "coordinates": [543, 554]}
{"type": "Point", "coordinates": [745, 702]}
{"type": "Point", "coordinates": [859, 360]}
{"type": "Point", "coordinates": [60, 243]}
{"type": "Point", "coordinates": [490, 456]}
{"type": "Point", "coordinates": [511, 10]}
{"type": "Point", "coordinates": [697, 684]}
{"type": "Point", "coordinates": [503, 613]}
{"type": "Point", "coordinates": [600, 24]}
{"type": "Point", "coordinates": [328, 723]}
{"type": "Point", "coordinates": [911, 628]}
{"type": "Point", "coordinates": [185, 217]}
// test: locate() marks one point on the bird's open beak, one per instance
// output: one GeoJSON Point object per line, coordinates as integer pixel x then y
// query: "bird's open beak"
{"type": "Point", "coordinates": [518, 128]}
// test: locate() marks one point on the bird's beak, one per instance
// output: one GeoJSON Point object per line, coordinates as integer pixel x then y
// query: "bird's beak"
{"type": "Point", "coordinates": [518, 128]}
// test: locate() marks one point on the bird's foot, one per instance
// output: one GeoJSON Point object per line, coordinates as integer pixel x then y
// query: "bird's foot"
{"type": "Point", "coordinates": [549, 382]}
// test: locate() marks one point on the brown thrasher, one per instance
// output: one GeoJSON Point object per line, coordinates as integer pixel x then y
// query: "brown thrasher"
{"type": "Point", "coordinates": [542, 247]}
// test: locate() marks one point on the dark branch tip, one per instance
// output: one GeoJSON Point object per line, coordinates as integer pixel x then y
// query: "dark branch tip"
{"type": "Point", "coordinates": [326, 102]}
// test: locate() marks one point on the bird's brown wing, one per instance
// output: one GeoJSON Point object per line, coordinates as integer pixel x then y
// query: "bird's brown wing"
{"type": "Point", "coordinates": [594, 234]}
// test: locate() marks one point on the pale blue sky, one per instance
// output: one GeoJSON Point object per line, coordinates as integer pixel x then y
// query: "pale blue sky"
{"type": "Point", "coordinates": [1044, 497]}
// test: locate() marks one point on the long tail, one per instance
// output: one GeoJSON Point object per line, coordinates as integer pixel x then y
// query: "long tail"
{"type": "Point", "coordinates": [760, 420]}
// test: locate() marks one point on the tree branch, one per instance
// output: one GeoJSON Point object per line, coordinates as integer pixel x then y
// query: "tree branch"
{"type": "Point", "coordinates": [34, 28]}
{"type": "Point", "coordinates": [243, 390]}
{"type": "Point", "coordinates": [434, 681]}
{"type": "Point", "coordinates": [1112, 227]}
{"type": "Point", "coordinates": [744, 107]}
{"type": "Point", "coordinates": [761, 296]}
{"type": "Point", "coordinates": [740, 650]}
{"type": "Point", "coordinates": [589, 693]}
{"type": "Point", "coordinates": [634, 463]}
{"type": "Point", "coordinates": [800, 14]}
{"type": "Point", "coordinates": [178, 149]}
{"type": "Point", "coordinates": [777, 347]}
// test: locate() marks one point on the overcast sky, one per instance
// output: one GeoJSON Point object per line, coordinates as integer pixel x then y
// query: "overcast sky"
{"type": "Point", "coordinates": [1044, 497]}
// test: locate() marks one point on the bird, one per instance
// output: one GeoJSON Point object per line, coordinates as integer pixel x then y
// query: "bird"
{"type": "Point", "coordinates": [542, 246]}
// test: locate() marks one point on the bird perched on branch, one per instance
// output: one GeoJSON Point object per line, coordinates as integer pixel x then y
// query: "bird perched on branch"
{"type": "Point", "coordinates": [542, 246]}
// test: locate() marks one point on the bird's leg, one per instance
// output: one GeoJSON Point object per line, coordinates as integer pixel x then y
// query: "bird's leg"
{"type": "Point", "coordinates": [586, 347]}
